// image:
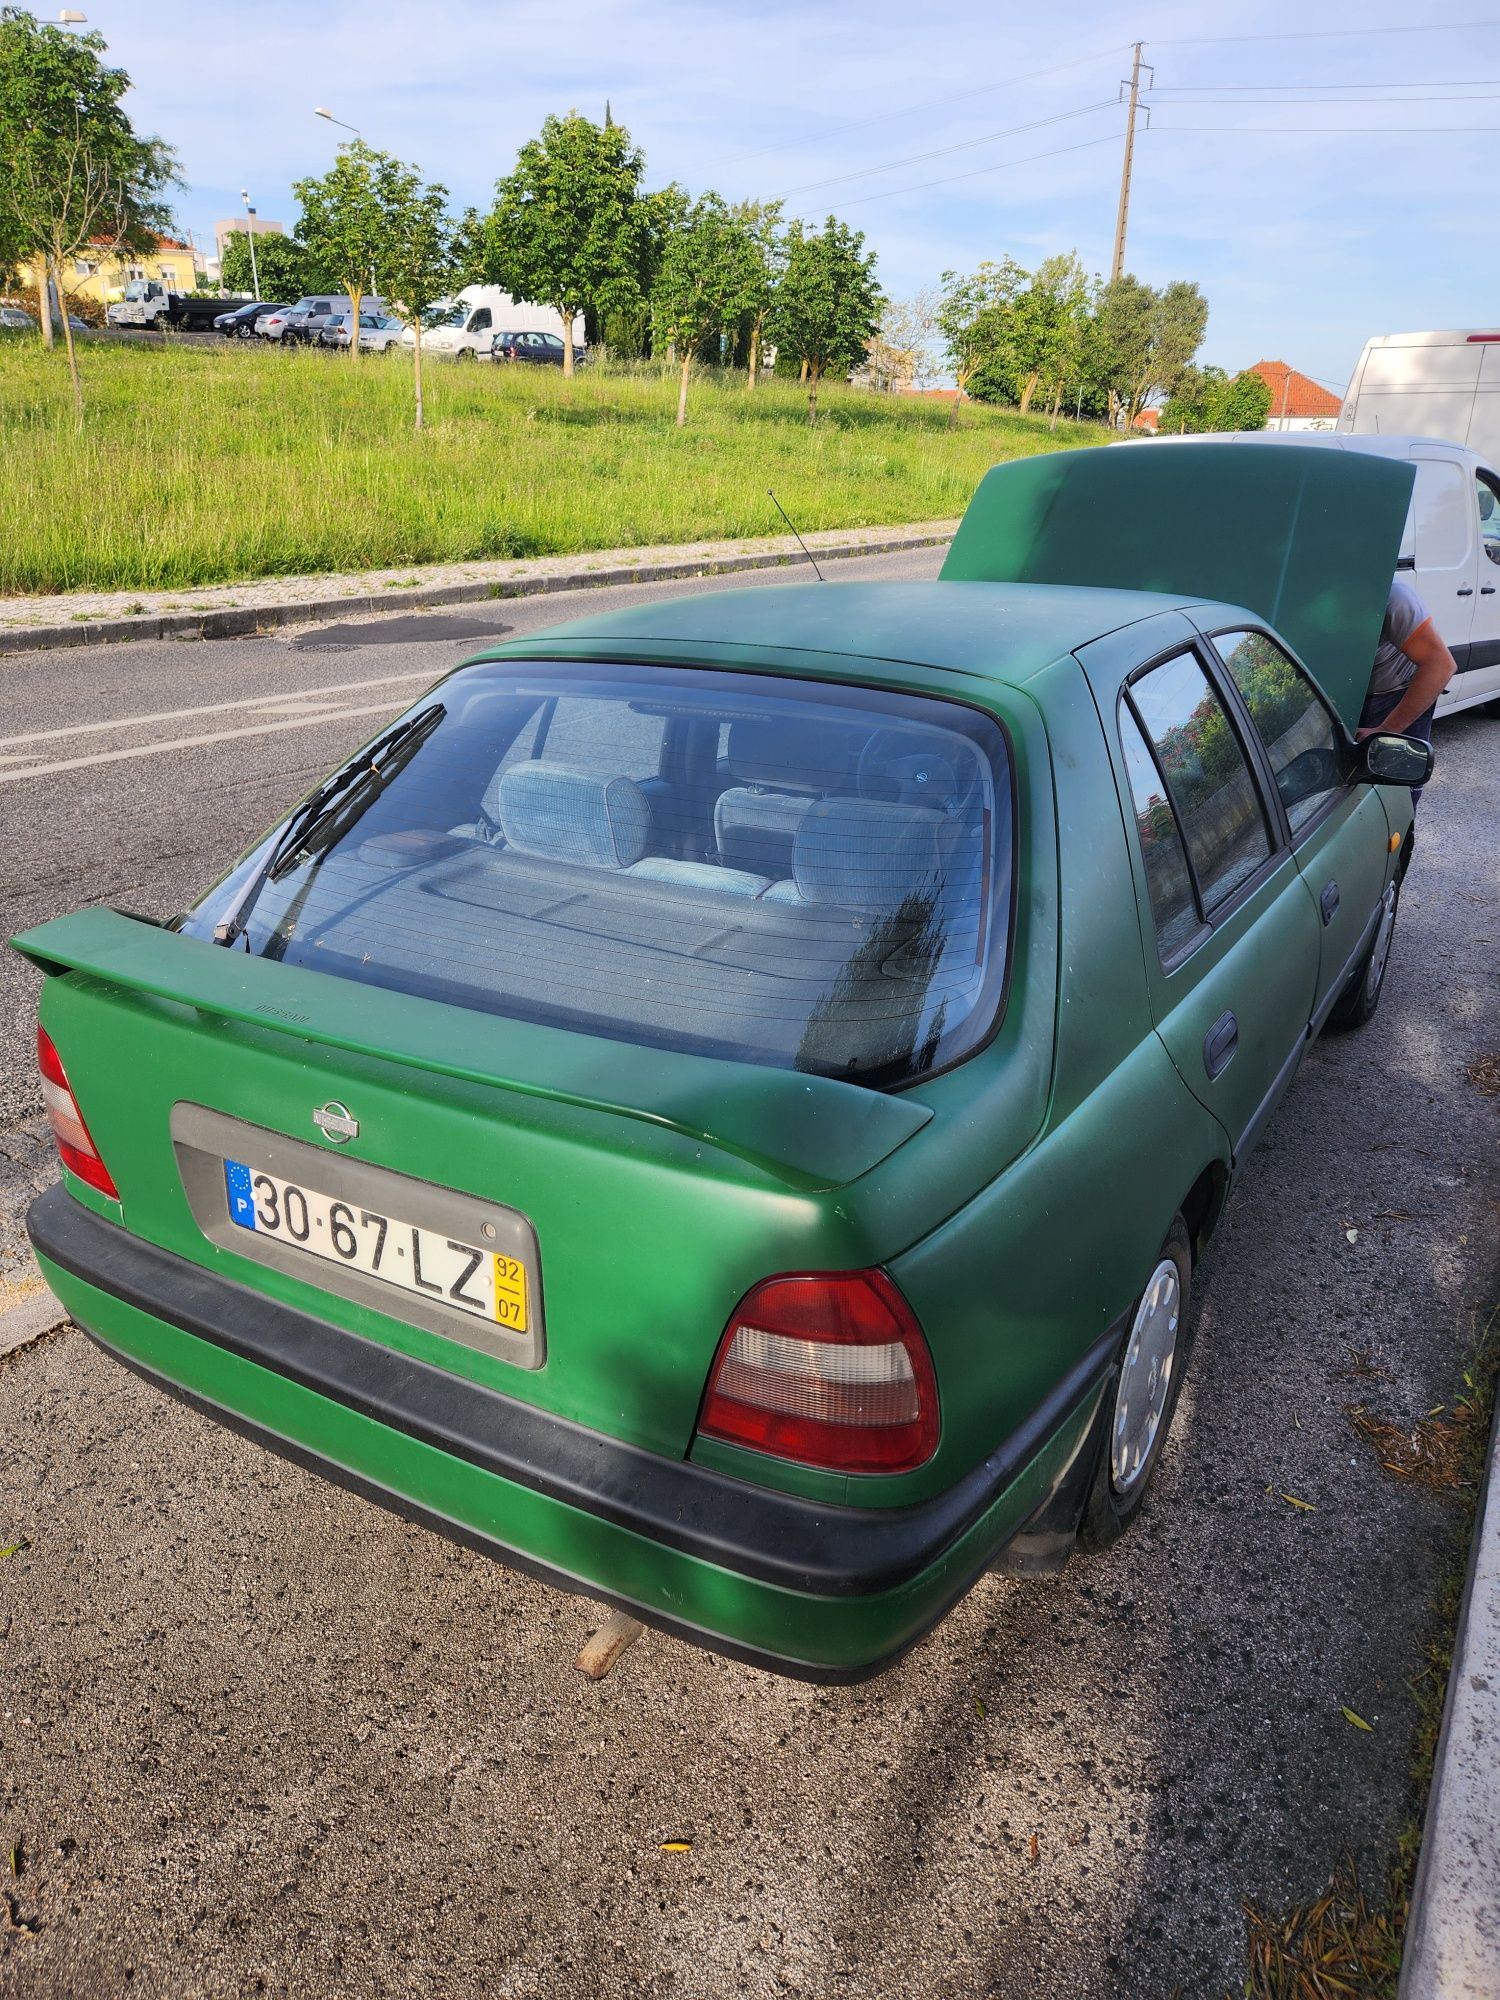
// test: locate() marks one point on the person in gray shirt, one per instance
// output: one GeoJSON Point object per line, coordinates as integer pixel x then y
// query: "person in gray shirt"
{"type": "Point", "coordinates": [1412, 667]}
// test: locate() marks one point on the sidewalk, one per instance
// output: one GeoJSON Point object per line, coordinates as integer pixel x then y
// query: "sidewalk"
{"type": "Point", "coordinates": [1453, 1931]}
{"type": "Point", "coordinates": [233, 610]}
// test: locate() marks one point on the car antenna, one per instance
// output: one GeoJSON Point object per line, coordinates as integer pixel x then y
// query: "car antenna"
{"type": "Point", "coordinates": [800, 543]}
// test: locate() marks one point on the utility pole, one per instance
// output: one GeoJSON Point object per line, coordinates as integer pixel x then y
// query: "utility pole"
{"type": "Point", "coordinates": [1117, 262]}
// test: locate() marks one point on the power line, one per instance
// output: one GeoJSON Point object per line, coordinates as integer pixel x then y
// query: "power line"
{"type": "Point", "coordinates": [1465, 97]}
{"type": "Point", "coordinates": [940, 152]}
{"type": "Point", "coordinates": [937, 103]}
{"type": "Point", "coordinates": [1296, 131]}
{"type": "Point", "coordinates": [1331, 34]}
{"type": "Point", "coordinates": [1436, 83]}
{"type": "Point", "coordinates": [1107, 139]}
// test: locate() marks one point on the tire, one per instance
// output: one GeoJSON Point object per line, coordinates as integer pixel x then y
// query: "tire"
{"type": "Point", "coordinates": [1357, 1003]}
{"type": "Point", "coordinates": [466, 354]}
{"type": "Point", "coordinates": [1139, 1409]}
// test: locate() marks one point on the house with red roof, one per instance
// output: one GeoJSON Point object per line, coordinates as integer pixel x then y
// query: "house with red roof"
{"type": "Point", "coordinates": [1298, 403]}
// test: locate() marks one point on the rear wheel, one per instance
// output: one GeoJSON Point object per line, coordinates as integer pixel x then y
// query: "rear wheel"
{"type": "Point", "coordinates": [1357, 1003]}
{"type": "Point", "coordinates": [1144, 1394]}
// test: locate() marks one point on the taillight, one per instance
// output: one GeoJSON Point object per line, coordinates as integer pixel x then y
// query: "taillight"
{"type": "Point", "coordinates": [828, 1368]}
{"type": "Point", "coordinates": [78, 1152]}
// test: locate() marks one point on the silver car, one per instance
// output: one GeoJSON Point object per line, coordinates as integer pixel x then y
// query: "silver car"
{"type": "Point", "coordinates": [378, 332]}
{"type": "Point", "coordinates": [13, 320]}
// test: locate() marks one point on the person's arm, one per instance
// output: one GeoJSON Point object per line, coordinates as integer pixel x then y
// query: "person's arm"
{"type": "Point", "coordinates": [1435, 667]}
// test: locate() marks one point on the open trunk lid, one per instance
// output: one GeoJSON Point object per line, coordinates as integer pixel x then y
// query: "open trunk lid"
{"type": "Point", "coordinates": [1306, 538]}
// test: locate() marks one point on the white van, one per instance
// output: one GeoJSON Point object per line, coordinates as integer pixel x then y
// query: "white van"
{"type": "Point", "coordinates": [466, 330]}
{"type": "Point", "coordinates": [1444, 385]}
{"type": "Point", "coordinates": [1451, 543]}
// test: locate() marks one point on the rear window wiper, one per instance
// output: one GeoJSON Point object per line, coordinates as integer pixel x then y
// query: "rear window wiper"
{"type": "Point", "coordinates": [331, 810]}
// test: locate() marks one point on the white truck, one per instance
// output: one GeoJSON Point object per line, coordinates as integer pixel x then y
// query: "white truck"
{"type": "Point", "coordinates": [464, 329]}
{"type": "Point", "coordinates": [1451, 544]}
{"type": "Point", "coordinates": [147, 302]}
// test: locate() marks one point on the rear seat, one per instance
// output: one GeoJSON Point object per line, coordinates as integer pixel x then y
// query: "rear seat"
{"type": "Point", "coordinates": [554, 813]}
{"type": "Point", "coordinates": [757, 816]}
{"type": "Point", "coordinates": [865, 854]}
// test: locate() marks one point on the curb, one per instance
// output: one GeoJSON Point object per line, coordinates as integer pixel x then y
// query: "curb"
{"type": "Point", "coordinates": [243, 621]}
{"type": "Point", "coordinates": [29, 1321]}
{"type": "Point", "coordinates": [1453, 1928]}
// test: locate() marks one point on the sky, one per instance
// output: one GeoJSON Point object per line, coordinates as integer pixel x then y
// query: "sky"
{"type": "Point", "coordinates": [1321, 181]}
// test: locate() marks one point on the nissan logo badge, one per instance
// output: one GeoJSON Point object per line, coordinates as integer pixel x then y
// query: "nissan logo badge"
{"type": "Point", "coordinates": [336, 1122]}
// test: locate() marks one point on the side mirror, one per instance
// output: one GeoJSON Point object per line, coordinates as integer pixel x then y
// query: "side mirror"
{"type": "Point", "coordinates": [1395, 760]}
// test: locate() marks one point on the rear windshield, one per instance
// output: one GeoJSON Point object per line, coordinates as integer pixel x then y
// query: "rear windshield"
{"type": "Point", "coordinates": [805, 875]}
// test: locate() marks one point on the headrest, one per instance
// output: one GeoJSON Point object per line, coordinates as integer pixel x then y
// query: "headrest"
{"type": "Point", "coordinates": [562, 815]}
{"type": "Point", "coordinates": [865, 854]}
{"type": "Point", "coordinates": [794, 756]}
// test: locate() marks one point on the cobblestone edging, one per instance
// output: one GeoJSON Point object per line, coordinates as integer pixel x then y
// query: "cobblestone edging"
{"type": "Point", "coordinates": [229, 611]}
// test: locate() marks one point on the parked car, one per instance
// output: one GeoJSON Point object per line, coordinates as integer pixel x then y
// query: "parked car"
{"type": "Point", "coordinates": [464, 333]}
{"type": "Point", "coordinates": [240, 321]}
{"type": "Point", "coordinates": [545, 349]}
{"type": "Point", "coordinates": [1451, 543]}
{"type": "Point", "coordinates": [14, 320]}
{"type": "Point", "coordinates": [721, 1103]}
{"type": "Point", "coordinates": [1444, 384]}
{"type": "Point", "coordinates": [379, 333]}
{"type": "Point", "coordinates": [290, 320]}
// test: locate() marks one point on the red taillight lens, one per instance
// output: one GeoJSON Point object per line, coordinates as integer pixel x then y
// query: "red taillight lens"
{"type": "Point", "coordinates": [76, 1148]}
{"type": "Point", "coordinates": [829, 1368]}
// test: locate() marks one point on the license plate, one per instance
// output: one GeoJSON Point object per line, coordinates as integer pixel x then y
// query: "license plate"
{"type": "Point", "coordinates": [465, 1277]}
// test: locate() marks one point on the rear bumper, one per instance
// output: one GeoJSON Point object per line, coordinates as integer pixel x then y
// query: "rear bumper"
{"type": "Point", "coordinates": [824, 1593]}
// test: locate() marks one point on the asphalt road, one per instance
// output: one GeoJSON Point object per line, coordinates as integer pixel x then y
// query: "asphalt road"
{"type": "Point", "coordinates": [257, 1736]}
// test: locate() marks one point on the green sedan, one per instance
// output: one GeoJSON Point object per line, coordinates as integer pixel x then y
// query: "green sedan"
{"type": "Point", "coordinates": [719, 1105]}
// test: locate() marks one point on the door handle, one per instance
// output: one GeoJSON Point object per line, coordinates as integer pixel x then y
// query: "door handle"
{"type": "Point", "coordinates": [1220, 1043]}
{"type": "Point", "coordinates": [1467, 591]}
{"type": "Point", "coordinates": [1328, 902]}
{"type": "Point", "coordinates": [1486, 590]}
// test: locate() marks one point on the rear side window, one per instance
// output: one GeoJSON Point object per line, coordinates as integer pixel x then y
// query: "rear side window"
{"type": "Point", "coordinates": [1207, 777]}
{"type": "Point", "coordinates": [792, 873]}
{"type": "Point", "coordinates": [1305, 748]}
{"type": "Point", "coordinates": [1168, 879]}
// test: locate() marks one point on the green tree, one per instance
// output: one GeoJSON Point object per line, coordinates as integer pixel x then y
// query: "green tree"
{"type": "Point", "coordinates": [765, 262]}
{"type": "Point", "coordinates": [419, 260]}
{"type": "Point", "coordinates": [1047, 323]}
{"type": "Point", "coordinates": [827, 306]}
{"type": "Point", "coordinates": [282, 264]}
{"type": "Point", "coordinates": [1146, 339]}
{"type": "Point", "coordinates": [1207, 399]}
{"type": "Point", "coordinates": [975, 319]}
{"type": "Point", "coordinates": [566, 228]}
{"type": "Point", "coordinates": [708, 269]}
{"type": "Point", "coordinates": [346, 226]}
{"type": "Point", "coordinates": [74, 175]}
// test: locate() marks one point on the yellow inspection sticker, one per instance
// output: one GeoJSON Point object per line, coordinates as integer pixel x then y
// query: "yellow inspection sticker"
{"type": "Point", "coordinates": [510, 1293]}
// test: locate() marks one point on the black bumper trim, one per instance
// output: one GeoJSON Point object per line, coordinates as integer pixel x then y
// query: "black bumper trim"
{"type": "Point", "coordinates": [770, 1537]}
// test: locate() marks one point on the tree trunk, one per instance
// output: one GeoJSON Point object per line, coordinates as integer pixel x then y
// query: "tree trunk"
{"type": "Point", "coordinates": [1028, 392]}
{"type": "Point", "coordinates": [567, 320]}
{"type": "Point", "coordinates": [958, 396]}
{"type": "Point", "coordinates": [802, 376]}
{"type": "Point", "coordinates": [755, 351]}
{"type": "Point", "coordinates": [687, 362]}
{"type": "Point", "coordinates": [67, 327]}
{"type": "Point", "coordinates": [354, 305]}
{"type": "Point", "coordinates": [416, 363]}
{"type": "Point", "coordinates": [1056, 405]}
{"type": "Point", "coordinates": [812, 392]}
{"type": "Point", "coordinates": [44, 304]}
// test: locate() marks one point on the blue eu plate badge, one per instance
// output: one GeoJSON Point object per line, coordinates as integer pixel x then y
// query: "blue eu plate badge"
{"type": "Point", "coordinates": [241, 1201]}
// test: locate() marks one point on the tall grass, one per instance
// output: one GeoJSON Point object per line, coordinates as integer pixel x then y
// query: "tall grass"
{"type": "Point", "coordinates": [204, 464]}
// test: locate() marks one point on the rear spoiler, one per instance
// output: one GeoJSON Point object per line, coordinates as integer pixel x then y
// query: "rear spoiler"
{"type": "Point", "coordinates": [806, 1132]}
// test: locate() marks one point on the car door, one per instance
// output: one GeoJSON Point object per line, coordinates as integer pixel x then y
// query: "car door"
{"type": "Point", "coordinates": [1479, 674]}
{"type": "Point", "coordinates": [1443, 548]}
{"type": "Point", "coordinates": [1338, 828]}
{"type": "Point", "coordinates": [1229, 931]}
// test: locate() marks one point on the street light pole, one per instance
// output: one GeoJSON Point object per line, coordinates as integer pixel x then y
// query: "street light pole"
{"type": "Point", "coordinates": [319, 112]}
{"type": "Point", "coordinates": [250, 232]}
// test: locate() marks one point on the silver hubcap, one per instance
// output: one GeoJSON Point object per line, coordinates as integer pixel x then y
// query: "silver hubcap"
{"type": "Point", "coordinates": [1376, 970]}
{"type": "Point", "coordinates": [1145, 1377]}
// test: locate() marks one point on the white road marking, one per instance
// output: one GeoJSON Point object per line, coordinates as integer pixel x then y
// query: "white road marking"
{"type": "Point", "coordinates": [277, 698]}
{"type": "Point", "coordinates": [192, 742]}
